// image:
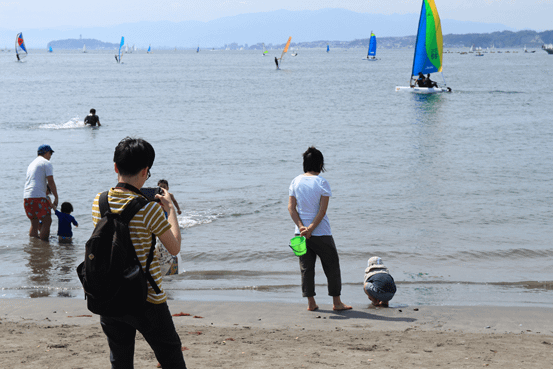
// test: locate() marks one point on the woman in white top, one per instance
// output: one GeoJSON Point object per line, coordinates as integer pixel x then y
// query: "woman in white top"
{"type": "Point", "coordinates": [308, 201]}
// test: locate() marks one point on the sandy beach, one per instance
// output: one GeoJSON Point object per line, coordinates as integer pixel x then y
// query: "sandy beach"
{"type": "Point", "coordinates": [62, 333]}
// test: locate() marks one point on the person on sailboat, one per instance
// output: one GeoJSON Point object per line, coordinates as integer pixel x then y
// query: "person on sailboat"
{"type": "Point", "coordinates": [276, 62]}
{"type": "Point", "coordinates": [421, 81]}
{"type": "Point", "coordinates": [92, 119]}
{"type": "Point", "coordinates": [429, 83]}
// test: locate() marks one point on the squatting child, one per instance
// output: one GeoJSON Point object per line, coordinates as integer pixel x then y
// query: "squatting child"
{"type": "Point", "coordinates": [378, 283]}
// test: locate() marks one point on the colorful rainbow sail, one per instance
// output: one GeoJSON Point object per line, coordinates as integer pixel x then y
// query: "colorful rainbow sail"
{"type": "Point", "coordinates": [429, 47]}
{"type": "Point", "coordinates": [20, 49]}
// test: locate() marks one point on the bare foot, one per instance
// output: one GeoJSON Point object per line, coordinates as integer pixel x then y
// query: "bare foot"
{"type": "Point", "coordinates": [311, 304]}
{"type": "Point", "coordinates": [341, 307]}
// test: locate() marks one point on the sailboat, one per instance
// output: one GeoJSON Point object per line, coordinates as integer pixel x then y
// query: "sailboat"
{"type": "Point", "coordinates": [265, 51]}
{"type": "Point", "coordinates": [198, 49]}
{"type": "Point", "coordinates": [126, 49]}
{"type": "Point", "coordinates": [327, 48]}
{"type": "Point", "coordinates": [295, 54]}
{"type": "Point", "coordinates": [120, 47]}
{"type": "Point", "coordinates": [428, 49]}
{"type": "Point", "coordinates": [50, 49]}
{"type": "Point", "coordinates": [84, 48]}
{"type": "Point", "coordinates": [284, 51]}
{"type": "Point", "coordinates": [149, 49]}
{"type": "Point", "coordinates": [20, 49]}
{"type": "Point", "coordinates": [371, 54]}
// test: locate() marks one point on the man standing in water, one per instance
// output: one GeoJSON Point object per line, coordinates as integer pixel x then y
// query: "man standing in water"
{"type": "Point", "coordinates": [40, 176]}
{"type": "Point", "coordinates": [92, 119]}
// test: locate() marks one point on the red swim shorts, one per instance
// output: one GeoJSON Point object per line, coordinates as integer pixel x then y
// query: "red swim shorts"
{"type": "Point", "coordinates": [37, 207]}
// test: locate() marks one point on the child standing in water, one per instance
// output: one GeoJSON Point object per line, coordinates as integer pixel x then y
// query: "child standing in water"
{"type": "Point", "coordinates": [165, 185]}
{"type": "Point", "coordinates": [64, 222]}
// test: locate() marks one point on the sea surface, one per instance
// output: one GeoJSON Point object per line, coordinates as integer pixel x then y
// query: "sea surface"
{"type": "Point", "coordinates": [452, 191]}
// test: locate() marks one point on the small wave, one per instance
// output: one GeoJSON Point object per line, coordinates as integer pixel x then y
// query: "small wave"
{"type": "Point", "coordinates": [195, 218]}
{"type": "Point", "coordinates": [71, 124]}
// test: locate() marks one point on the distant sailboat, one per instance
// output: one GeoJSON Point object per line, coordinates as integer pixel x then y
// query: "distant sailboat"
{"type": "Point", "coordinates": [50, 49]}
{"type": "Point", "coordinates": [371, 54]}
{"type": "Point", "coordinates": [265, 51]}
{"type": "Point", "coordinates": [84, 48]}
{"type": "Point", "coordinates": [284, 51]}
{"type": "Point", "coordinates": [327, 48]}
{"type": "Point", "coordinates": [20, 49]}
{"type": "Point", "coordinates": [149, 49]}
{"type": "Point", "coordinates": [198, 49]}
{"type": "Point", "coordinates": [126, 49]}
{"type": "Point", "coordinates": [295, 54]}
{"type": "Point", "coordinates": [118, 58]}
{"type": "Point", "coordinates": [428, 49]}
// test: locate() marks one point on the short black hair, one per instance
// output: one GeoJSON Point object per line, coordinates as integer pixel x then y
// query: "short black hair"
{"type": "Point", "coordinates": [132, 155]}
{"type": "Point", "coordinates": [93, 111]}
{"type": "Point", "coordinates": [313, 161]}
{"type": "Point", "coordinates": [66, 208]}
{"type": "Point", "coordinates": [163, 181]}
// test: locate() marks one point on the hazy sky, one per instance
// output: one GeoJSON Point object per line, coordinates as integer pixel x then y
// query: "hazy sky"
{"type": "Point", "coordinates": [29, 14]}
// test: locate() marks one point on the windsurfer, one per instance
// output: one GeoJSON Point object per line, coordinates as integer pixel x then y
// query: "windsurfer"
{"type": "Point", "coordinates": [276, 62]}
{"type": "Point", "coordinates": [17, 55]}
{"type": "Point", "coordinates": [116, 59]}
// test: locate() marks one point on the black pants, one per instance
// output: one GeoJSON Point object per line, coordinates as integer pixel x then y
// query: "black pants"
{"type": "Point", "coordinates": [325, 249]}
{"type": "Point", "coordinates": [156, 325]}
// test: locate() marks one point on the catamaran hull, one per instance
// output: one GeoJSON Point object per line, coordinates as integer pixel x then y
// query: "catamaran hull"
{"type": "Point", "coordinates": [422, 90]}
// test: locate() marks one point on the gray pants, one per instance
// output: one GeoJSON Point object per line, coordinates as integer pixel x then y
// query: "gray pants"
{"type": "Point", "coordinates": [325, 249]}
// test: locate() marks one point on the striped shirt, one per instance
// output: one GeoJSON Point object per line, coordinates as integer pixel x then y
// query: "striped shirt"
{"type": "Point", "coordinates": [148, 220]}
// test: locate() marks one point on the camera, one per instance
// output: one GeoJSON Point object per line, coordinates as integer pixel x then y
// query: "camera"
{"type": "Point", "coordinates": [151, 192]}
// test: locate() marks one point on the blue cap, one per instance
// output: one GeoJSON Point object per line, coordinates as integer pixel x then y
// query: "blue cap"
{"type": "Point", "coordinates": [43, 149]}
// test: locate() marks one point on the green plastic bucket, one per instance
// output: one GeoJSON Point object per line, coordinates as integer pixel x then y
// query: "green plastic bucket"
{"type": "Point", "coordinates": [297, 244]}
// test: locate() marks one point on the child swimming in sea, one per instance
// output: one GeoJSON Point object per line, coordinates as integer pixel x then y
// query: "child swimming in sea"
{"type": "Point", "coordinates": [65, 234]}
{"type": "Point", "coordinates": [378, 283]}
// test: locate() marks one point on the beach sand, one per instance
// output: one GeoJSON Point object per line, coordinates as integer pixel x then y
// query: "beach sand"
{"type": "Point", "coordinates": [60, 333]}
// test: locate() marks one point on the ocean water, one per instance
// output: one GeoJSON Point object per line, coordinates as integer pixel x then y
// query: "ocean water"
{"type": "Point", "coordinates": [453, 191]}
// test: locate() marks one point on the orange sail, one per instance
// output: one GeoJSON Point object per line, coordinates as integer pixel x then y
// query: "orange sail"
{"type": "Point", "coordinates": [286, 48]}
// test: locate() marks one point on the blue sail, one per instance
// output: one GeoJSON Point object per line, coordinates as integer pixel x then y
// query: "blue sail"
{"type": "Point", "coordinates": [149, 49]}
{"type": "Point", "coordinates": [372, 45]}
{"type": "Point", "coordinates": [327, 48]}
{"type": "Point", "coordinates": [120, 47]}
{"type": "Point", "coordinates": [50, 49]}
{"type": "Point", "coordinates": [198, 49]}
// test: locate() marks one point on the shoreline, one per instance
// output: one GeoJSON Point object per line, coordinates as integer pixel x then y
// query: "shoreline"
{"type": "Point", "coordinates": [62, 333]}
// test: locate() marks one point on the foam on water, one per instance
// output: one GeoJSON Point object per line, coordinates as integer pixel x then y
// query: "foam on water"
{"type": "Point", "coordinates": [71, 124]}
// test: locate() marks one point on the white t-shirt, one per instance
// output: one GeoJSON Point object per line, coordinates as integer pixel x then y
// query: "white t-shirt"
{"type": "Point", "coordinates": [35, 184]}
{"type": "Point", "coordinates": [308, 191]}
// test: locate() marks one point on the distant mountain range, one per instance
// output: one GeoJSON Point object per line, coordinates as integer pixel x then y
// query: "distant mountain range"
{"type": "Point", "coordinates": [248, 29]}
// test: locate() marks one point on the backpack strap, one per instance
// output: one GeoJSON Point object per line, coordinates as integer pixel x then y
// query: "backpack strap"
{"type": "Point", "coordinates": [126, 216]}
{"type": "Point", "coordinates": [103, 204]}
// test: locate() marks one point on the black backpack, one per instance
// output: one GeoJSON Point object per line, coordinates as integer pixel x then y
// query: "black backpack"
{"type": "Point", "coordinates": [112, 277]}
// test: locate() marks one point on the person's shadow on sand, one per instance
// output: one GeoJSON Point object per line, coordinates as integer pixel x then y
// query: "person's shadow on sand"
{"type": "Point", "coordinates": [356, 314]}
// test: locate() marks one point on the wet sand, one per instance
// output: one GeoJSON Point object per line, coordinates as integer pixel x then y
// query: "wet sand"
{"type": "Point", "coordinates": [60, 333]}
